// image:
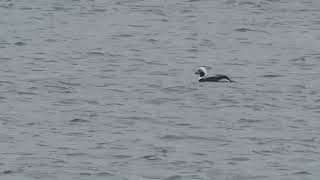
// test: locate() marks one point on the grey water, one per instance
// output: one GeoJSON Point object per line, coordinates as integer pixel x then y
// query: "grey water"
{"type": "Point", "coordinates": [96, 89]}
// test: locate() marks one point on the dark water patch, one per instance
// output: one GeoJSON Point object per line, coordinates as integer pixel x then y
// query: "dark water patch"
{"type": "Point", "coordinates": [26, 8]}
{"type": "Point", "coordinates": [104, 174]}
{"type": "Point", "coordinates": [271, 105]}
{"type": "Point", "coordinates": [250, 30]}
{"type": "Point", "coordinates": [138, 25]}
{"type": "Point", "coordinates": [154, 86]}
{"type": "Point", "coordinates": [26, 93]}
{"type": "Point", "coordinates": [78, 120]}
{"type": "Point", "coordinates": [67, 102]}
{"type": "Point", "coordinates": [151, 157]}
{"type": "Point", "coordinates": [245, 120]}
{"type": "Point", "coordinates": [155, 62]}
{"type": "Point", "coordinates": [19, 43]}
{"type": "Point", "coordinates": [266, 152]}
{"type": "Point", "coordinates": [123, 36]}
{"type": "Point", "coordinates": [107, 84]}
{"type": "Point", "coordinates": [4, 42]}
{"type": "Point", "coordinates": [199, 154]}
{"type": "Point", "coordinates": [121, 156]}
{"type": "Point", "coordinates": [75, 154]}
{"type": "Point", "coordinates": [85, 174]}
{"type": "Point", "coordinates": [272, 75]}
{"type": "Point", "coordinates": [303, 62]}
{"type": "Point", "coordinates": [65, 148]}
{"type": "Point", "coordinates": [197, 138]}
{"type": "Point", "coordinates": [299, 59]}
{"type": "Point", "coordinates": [5, 59]}
{"type": "Point", "coordinates": [238, 159]}
{"type": "Point", "coordinates": [7, 172]}
{"type": "Point", "coordinates": [56, 88]}
{"type": "Point", "coordinates": [105, 70]}
{"type": "Point", "coordinates": [184, 124]}
{"type": "Point", "coordinates": [50, 60]}
{"type": "Point", "coordinates": [76, 134]}
{"type": "Point", "coordinates": [243, 30]}
{"type": "Point", "coordinates": [61, 8]}
{"type": "Point", "coordinates": [160, 149]}
{"type": "Point", "coordinates": [114, 104]}
{"type": "Point", "coordinates": [159, 101]}
{"type": "Point", "coordinates": [95, 53]}
{"type": "Point", "coordinates": [51, 40]}
{"type": "Point", "coordinates": [229, 100]}
{"type": "Point", "coordinates": [193, 50]}
{"type": "Point", "coordinates": [157, 12]}
{"type": "Point", "coordinates": [175, 177]}
{"type": "Point", "coordinates": [307, 151]}
{"type": "Point", "coordinates": [152, 40]}
{"type": "Point", "coordinates": [39, 70]}
{"type": "Point", "coordinates": [9, 5]}
{"type": "Point", "coordinates": [98, 10]}
{"type": "Point", "coordinates": [247, 3]}
{"type": "Point", "coordinates": [117, 90]}
{"type": "Point", "coordinates": [190, 57]}
{"type": "Point", "coordinates": [302, 173]}
{"type": "Point", "coordinates": [134, 118]}
{"type": "Point", "coordinates": [254, 107]}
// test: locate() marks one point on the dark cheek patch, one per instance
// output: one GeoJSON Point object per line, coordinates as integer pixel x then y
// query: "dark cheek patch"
{"type": "Point", "coordinates": [201, 74]}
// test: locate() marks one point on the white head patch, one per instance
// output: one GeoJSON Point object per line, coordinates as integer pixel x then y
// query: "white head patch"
{"type": "Point", "coordinates": [204, 70]}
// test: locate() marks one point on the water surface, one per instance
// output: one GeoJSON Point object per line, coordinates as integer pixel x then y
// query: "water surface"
{"type": "Point", "coordinates": [106, 89]}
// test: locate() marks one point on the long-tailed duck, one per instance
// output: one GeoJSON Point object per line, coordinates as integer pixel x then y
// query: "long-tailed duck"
{"type": "Point", "coordinates": [203, 73]}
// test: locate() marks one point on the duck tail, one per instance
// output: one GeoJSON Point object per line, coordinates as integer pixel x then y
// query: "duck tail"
{"type": "Point", "coordinates": [229, 79]}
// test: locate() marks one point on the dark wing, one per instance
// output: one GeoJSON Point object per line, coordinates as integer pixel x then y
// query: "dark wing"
{"type": "Point", "coordinates": [216, 78]}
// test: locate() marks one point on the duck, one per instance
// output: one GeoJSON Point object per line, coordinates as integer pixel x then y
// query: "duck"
{"type": "Point", "coordinates": [203, 76]}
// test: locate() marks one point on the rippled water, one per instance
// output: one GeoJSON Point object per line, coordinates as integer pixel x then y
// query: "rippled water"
{"type": "Point", "coordinates": [106, 89]}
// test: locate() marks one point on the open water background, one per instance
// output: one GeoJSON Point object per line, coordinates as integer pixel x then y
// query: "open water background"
{"type": "Point", "coordinates": [106, 89]}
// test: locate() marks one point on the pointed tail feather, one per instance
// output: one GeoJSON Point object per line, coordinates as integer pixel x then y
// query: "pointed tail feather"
{"type": "Point", "coordinates": [229, 79]}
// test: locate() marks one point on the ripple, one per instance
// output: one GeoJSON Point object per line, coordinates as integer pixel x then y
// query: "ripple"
{"type": "Point", "coordinates": [151, 157]}
{"type": "Point", "coordinates": [161, 100]}
{"type": "Point", "coordinates": [272, 75]}
{"type": "Point", "coordinates": [303, 173]}
{"type": "Point", "coordinates": [121, 156]}
{"type": "Point", "coordinates": [77, 120]}
{"type": "Point", "coordinates": [7, 172]}
{"type": "Point", "coordinates": [175, 177]}
{"type": "Point", "coordinates": [239, 159]}
{"type": "Point", "coordinates": [95, 53]}
{"type": "Point", "coordinates": [77, 154]}
{"type": "Point", "coordinates": [104, 174]}
{"type": "Point", "coordinates": [249, 30]}
{"type": "Point", "coordinates": [19, 43]}
{"type": "Point", "coordinates": [176, 137]}
{"type": "Point", "coordinates": [178, 89]}
{"type": "Point", "coordinates": [249, 120]}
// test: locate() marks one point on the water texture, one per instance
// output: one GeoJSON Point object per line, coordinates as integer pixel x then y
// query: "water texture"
{"type": "Point", "coordinates": [106, 89]}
